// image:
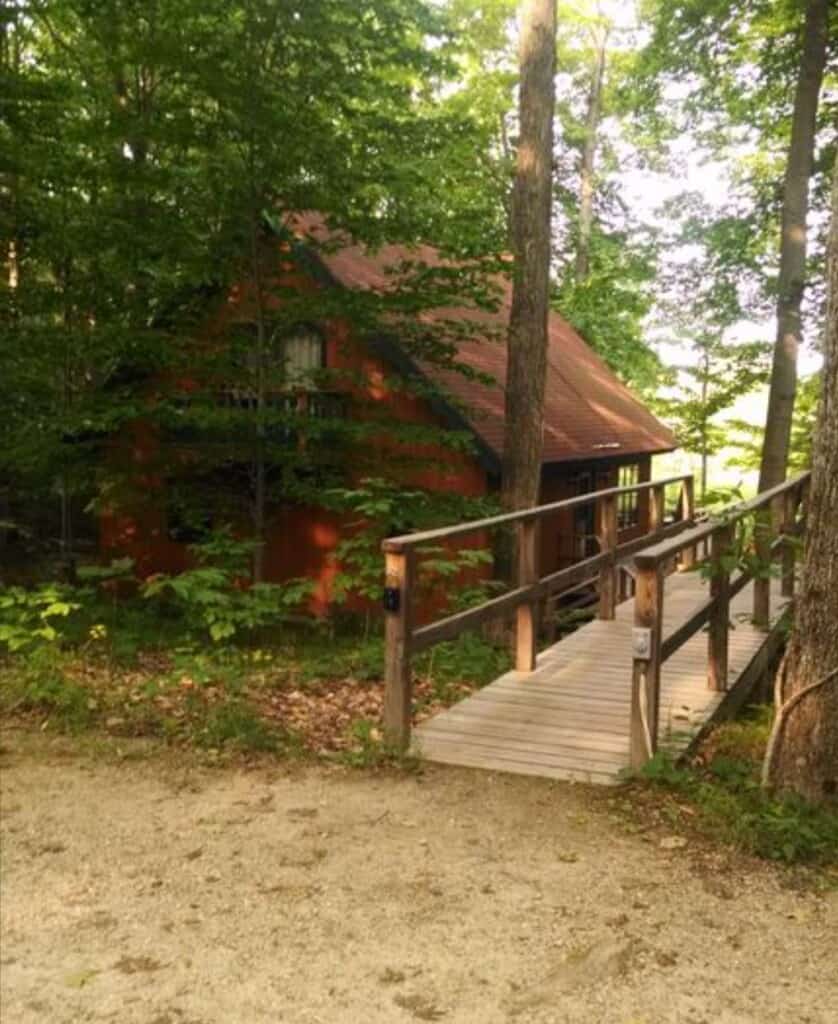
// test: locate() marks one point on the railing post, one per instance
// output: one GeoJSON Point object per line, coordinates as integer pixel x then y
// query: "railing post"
{"type": "Point", "coordinates": [720, 546]}
{"type": "Point", "coordinates": [606, 508]}
{"type": "Point", "coordinates": [526, 625]}
{"type": "Point", "coordinates": [763, 533]}
{"type": "Point", "coordinates": [398, 681]}
{"type": "Point", "coordinates": [688, 555]}
{"type": "Point", "coordinates": [646, 673]}
{"type": "Point", "coordinates": [657, 508]}
{"type": "Point", "coordinates": [790, 500]}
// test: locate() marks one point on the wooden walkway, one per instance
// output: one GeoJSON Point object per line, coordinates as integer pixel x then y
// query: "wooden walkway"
{"type": "Point", "coordinates": [569, 719]}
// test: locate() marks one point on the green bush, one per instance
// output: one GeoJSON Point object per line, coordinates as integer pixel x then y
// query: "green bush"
{"type": "Point", "coordinates": [212, 599]}
{"type": "Point", "coordinates": [235, 724]}
{"type": "Point", "coordinates": [733, 807]}
{"type": "Point", "coordinates": [30, 618]}
{"type": "Point", "coordinates": [38, 682]}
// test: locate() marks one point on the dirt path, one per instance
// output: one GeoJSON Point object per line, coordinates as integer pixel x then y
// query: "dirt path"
{"type": "Point", "coordinates": [142, 892]}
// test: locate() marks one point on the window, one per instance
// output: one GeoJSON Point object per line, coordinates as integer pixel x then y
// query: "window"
{"type": "Point", "coordinates": [302, 353]}
{"type": "Point", "coordinates": [628, 504]}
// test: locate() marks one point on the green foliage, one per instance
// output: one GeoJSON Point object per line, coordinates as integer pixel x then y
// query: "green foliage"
{"type": "Point", "coordinates": [468, 660]}
{"type": "Point", "coordinates": [234, 724]}
{"type": "Point", "coordinates": [212, 598]}
{"type": "Point", "coordinates": [369, 749]}
{"type": "Point", "coordinates": [609, 308]}
{"type": "Point", "coordinates": [38, 681]}
{"type": "Point", "coordinates": [32, 617]}
{"type": "Point", "coordinates": [385, 509]}
{"type": "Point", "coordinates": [733, 807]}
{"type": "Point", "coordinates": [746, 437]}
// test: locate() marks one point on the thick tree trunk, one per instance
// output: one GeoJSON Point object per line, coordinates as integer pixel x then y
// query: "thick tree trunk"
{"type": "Point", "coordinates": [803, 752]}
{"type": "Point", "coordinates": [586, 175]}
{"type": "Point", "coordinates": [531, 207]}
{"type": "Point", "coordinates": [793, 246]}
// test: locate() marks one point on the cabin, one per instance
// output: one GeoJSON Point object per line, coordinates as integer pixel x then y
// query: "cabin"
{"type": "Point", "coordinates": [597, 434]}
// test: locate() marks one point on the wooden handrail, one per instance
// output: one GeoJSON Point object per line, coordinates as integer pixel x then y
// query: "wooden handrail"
{"type": "Point", "coordinates": [670, 548]}
{"type": "Point", "coordinates": [414, 540]}
{"type": "Point", "coordinates": [402, 640]}
{"type": "Point", "coordinates": [650, 649]}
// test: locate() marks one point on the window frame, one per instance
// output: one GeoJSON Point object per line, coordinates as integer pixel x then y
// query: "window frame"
{"type": "Point", "coordinates": [628, 504]}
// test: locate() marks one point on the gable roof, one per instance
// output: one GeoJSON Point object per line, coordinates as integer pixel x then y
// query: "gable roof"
{"type": "Point", "coordinates": [588, 412]}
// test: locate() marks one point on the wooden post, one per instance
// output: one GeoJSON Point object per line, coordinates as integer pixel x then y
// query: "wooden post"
{"type": "Point", "coordinates": [646, 674]}
{"type": "Point", "coordinates": [790, 499]}
{"type": "Point", "coordinates": [763, 534]}
{"type": "Point", "coordinates": [688, 555]}
{"type": "Point", "coordinates": [657, 508]}
{"type": "Point", "coordinates": [398, 682]}
{"type": "Point", "coordinates": [606, 508]}
{"type": "Point", "coordinates": [526, 620]}
{"type": "Point", "coordinates": [721, 543]}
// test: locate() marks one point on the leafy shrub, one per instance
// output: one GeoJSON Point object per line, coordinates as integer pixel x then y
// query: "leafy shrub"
{"type": "Point", "coordinates": [29, 618]}
{"type": "Point", "coordinates": [732, 805]}
{"type": "Point", "coordinates": [212, 598]}
{"type": "Point", "coordinates": [235, 724]}
{"type": "Point", "coordinates": [385, 509]}
{"type": "Point", "coordinates": [468, 659]}
{"type": "Point", "coordinates": [369, 749]}
{"type": "Point", "coordinates": [39, 682]}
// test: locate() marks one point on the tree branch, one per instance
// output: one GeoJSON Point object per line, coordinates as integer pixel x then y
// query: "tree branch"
{"type": "Point", "coordinates": [780, 721]}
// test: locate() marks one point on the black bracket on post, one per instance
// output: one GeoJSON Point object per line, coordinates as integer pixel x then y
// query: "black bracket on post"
{"type": "Point", "coordinates": [392, 599]}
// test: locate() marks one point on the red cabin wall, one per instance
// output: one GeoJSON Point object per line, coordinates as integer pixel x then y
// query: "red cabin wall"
{"type": "Point", "coordinates": [300, 540]}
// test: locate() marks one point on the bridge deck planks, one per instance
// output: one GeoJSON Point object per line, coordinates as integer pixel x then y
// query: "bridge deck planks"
{"type": "Point", "coordinates": [569, 719]}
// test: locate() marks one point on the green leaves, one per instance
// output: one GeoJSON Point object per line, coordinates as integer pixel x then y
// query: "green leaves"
{"type": "Point", "coordinates": [28, 617]}
{"type": "Point", "coordinates": [213, 598]}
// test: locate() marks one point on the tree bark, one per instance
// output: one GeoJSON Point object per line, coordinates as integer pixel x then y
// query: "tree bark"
{"type": "Point", "coordinates": [803, 752]}
{"type": "Point", "coordinates": [793, 246]}
{"type": "Point", "coordinates": [531, 208]}
{"type": "Point", "coordinates": [586, 175]}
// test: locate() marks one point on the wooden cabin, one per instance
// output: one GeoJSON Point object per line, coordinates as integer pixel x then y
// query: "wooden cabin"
{"type": "Point", "coordinates": [596, 432]}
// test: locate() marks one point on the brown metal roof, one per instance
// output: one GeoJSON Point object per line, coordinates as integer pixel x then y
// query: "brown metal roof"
{"type": "Point", "coordinates": [588, 412]}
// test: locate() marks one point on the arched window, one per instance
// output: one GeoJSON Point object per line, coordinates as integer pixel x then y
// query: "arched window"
{"type": "Point", "coordinates": [303, 353]}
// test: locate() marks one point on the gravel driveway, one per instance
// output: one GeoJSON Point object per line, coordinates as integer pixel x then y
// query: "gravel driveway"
{"type": "Point", "coordinates": [150, 892]}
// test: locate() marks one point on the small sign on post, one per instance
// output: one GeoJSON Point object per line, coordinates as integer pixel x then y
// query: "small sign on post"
{"type": "Point", "coordinates": [641, 642]}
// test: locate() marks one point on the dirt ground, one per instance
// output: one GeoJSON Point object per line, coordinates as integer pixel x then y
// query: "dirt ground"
{"type": "Point", "coordinates": [150, 892]}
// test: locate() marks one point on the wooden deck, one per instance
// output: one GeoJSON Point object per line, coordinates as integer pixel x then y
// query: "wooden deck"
{"type": "Point", "coordinates": [569, 719]}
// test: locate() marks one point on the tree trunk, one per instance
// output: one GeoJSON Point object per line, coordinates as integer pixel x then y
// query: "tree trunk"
{"type": "Point", "coordinates": [258, 465]}
{"type": "Point", "coordinates": [586, 183]}
{"type": "Point", "coordinates": [793, 246]}
{"type": "Point", "coordinates": [531, 206]}
{"type": "Point", "coordinates": [803, 752]}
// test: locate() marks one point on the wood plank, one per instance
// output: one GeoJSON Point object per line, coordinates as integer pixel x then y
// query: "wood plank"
{"type": "Point", "coordinates": [570, 717]}
{"type": "Point", "coordinates": [557, 756]}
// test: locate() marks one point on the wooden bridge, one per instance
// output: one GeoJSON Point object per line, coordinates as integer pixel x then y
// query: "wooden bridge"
{"type": "Point", "coordinates": [699, 622]}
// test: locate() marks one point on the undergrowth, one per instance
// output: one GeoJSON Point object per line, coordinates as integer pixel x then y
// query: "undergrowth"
{"type": "Point", "coordinates": [722, 788]}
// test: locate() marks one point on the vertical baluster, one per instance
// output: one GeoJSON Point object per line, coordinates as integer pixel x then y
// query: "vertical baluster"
{"type": "Point", "coordinates": [790, 500]}
{"type": "Point", "coordinates": [763, 535]}
{"type": "Point", "coordinates": [688, 555]}
{"type": "Point", "coordinates": [721, 544]}
{"type": "Point", "coordinates": [526, 620]}
{"type": "Point", "coordinates": [606, 508]}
